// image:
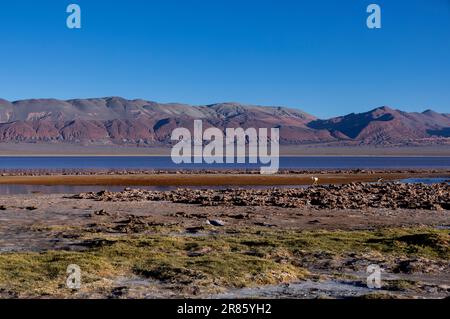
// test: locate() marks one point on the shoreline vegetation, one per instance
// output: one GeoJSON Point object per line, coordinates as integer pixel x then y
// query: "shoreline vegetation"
{"type": "Point", "coordinates": [313, 242]}
{"type": "Point", "coordinates": [161, 266]}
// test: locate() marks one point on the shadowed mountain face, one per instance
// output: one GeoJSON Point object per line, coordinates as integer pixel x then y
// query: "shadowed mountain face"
{"type": "Point", "coordinates": [118, 121]}
{"type": "Point", "coordinates": [384, 125]}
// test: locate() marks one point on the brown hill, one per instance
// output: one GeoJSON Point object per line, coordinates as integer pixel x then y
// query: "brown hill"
{"type": "Point", "coordinates": [385, 125]}
{"type": "Point", "coordinates": [116, 120]}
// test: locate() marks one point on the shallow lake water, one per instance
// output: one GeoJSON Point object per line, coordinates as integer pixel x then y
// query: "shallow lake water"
{"type": "Point", "coordinates": [164, 162]}
{"type": "Point", "coordinates": [159, 162]}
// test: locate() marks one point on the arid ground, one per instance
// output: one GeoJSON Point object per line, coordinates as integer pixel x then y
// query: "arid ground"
{"type": "Point", "coordinates": [313, 242]}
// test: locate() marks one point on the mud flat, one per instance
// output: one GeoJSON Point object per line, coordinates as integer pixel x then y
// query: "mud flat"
{"type": "Point", "coordinates": [130, 245]}
{"type": "Point", "coordinates": [230, 178]}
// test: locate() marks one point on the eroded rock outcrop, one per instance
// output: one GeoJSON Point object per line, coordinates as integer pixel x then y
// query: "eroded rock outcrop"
{"type": "Point", "coordinates": [348, 196]}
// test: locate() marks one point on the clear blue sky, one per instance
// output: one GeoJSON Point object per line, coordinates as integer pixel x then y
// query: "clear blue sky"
{"type": "Point", "coordinates": [317, 56]}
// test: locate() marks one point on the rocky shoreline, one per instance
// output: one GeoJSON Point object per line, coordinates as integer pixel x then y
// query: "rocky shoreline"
{"type": "Point", "coordinates": [347, 196]}
{"type": "Point", "coordinates": [100, 172]}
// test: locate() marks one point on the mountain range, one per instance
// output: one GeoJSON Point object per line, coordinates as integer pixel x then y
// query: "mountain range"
{"type": "Point", "coordinates": [117, 121]}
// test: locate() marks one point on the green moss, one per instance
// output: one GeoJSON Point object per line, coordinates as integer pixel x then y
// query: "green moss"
{"type": "Point", "coordinates": [253, 256]}
{"type": "Point", "coordinates": [400, 285]}
{"type": "Point", "coordinates": [378, 295]}
{"type": "Point", "coordinates": [424, 242]}
{"type": "Point", "coordinates": [45, 273]}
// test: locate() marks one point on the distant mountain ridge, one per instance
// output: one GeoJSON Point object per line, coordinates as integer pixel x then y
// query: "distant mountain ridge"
{"type": "Point", "coordinates": [117, 121]}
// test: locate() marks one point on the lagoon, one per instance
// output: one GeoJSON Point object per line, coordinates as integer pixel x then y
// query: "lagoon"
{"type": "Point", "coordinates": [165, 162]}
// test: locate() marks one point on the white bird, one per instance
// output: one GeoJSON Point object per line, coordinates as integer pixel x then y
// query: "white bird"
{"type": "Point", "coordinates": [315, 180]}
{"type": "Point", "coordinates": [215, 222]}
{"type": "Point", "coordinates": [380, 180]}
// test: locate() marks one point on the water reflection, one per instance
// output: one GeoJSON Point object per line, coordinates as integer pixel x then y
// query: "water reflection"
{"type": "Point", "coordinates": [428, 181]}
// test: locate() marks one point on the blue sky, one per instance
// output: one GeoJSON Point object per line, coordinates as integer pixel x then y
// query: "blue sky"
{"type": "Point", "coordinates": [317, 56]}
